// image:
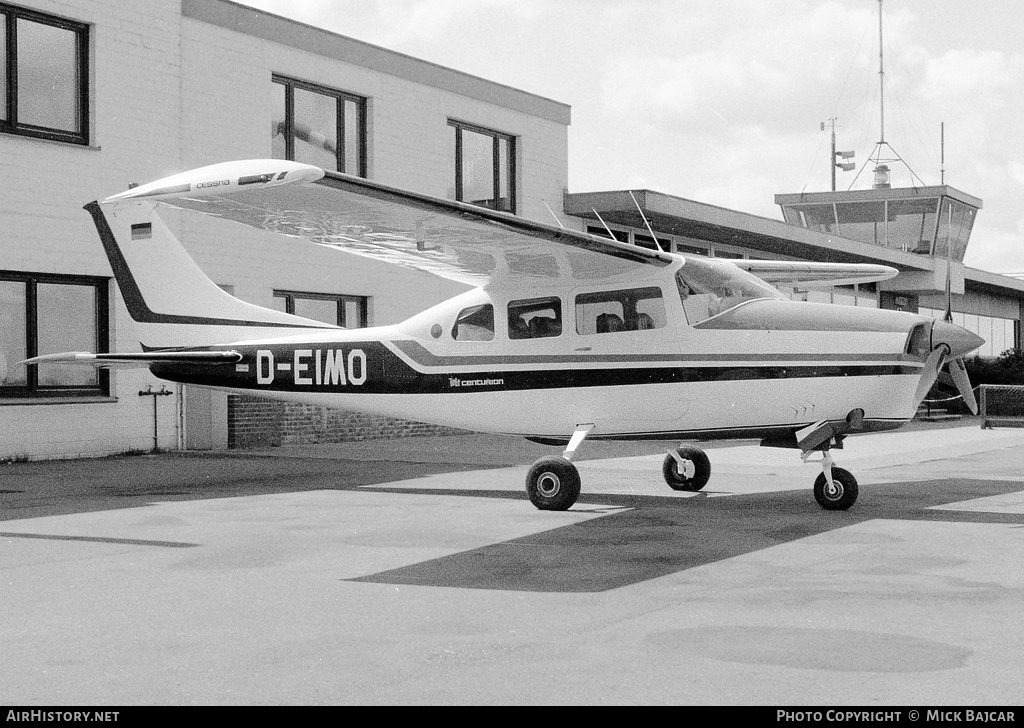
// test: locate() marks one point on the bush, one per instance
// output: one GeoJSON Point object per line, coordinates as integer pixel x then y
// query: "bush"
{"type": "Point", "coordinates": [1007, 368]}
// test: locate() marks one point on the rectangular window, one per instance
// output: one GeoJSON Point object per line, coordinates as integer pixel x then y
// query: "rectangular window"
{"type": "Point", "coordinates": [608, 312]}
{"type": "Point", "coordinates": [319, 126]}
{"type": "Point", "coordinates": [535, 318]}
{"type": "Point", "coordinates": [46, 314]}
{"type": "Point", "coordinates": [621, 235]}
{"type": "Point", "coordinates": [484, 167]}
{"type": "Point", "coordinates": [685, 249]}
{"type": "Point", "coordinates": [646, 241]}
{"type": "Point", "coordinates": [350, 312]}
{"type": "Point", "coordinates": [44, 90]}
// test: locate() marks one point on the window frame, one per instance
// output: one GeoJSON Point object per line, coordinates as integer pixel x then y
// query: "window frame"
{"type": "Point", "coordinates": [497, 137]}
{"type": "Point", "coordinates": [31, 389]}
{"type": "Point", "coordinates": [11, 125]}
{"type": "Point", "coordinates": [469, 313]}
{"type": "Point", "coordinates": [516, 308]}
{"type": "Point", "coordinates": [628, 300]}
{"type": "Point", "coordinates": [290, 84]}
{"type": "Point", "coordinates": [363, 302]}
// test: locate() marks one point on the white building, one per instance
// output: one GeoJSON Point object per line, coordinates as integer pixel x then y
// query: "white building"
{"type": "Point", "coordinates": [97, 94]}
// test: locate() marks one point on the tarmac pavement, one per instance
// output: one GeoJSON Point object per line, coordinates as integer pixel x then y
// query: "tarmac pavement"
{"type": "Point", "coordinates": [416, 572]}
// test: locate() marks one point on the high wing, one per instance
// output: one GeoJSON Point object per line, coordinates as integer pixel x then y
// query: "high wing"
{"type": "Point", "coordinates": [454, 240]}
{"type": "Point", "coordinates": [457, 241]}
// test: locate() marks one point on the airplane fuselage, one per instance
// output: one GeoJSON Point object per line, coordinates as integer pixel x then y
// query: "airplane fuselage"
{"type": "Point", "coordinates": [638, 359]}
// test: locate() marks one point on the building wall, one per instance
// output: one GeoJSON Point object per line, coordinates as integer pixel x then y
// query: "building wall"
{"type": "Point", "coordinates": [171, 92]}
{"type": "Point", "coordinates": [43, 185]}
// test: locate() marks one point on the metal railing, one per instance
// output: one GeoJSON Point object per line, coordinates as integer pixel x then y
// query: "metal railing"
{"type": "Point", "coordinates": [1001, 405]}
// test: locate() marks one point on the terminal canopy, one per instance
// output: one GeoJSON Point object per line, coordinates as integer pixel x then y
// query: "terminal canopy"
{"type": "Point", "coordinates": [933, 221]}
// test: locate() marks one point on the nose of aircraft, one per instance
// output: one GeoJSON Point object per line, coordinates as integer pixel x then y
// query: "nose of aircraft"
{"type": "Point", "coordinates": [959, 340]}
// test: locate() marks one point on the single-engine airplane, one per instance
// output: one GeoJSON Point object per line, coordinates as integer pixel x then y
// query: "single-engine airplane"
{"type": "Point", "coordinates": [564, 336]}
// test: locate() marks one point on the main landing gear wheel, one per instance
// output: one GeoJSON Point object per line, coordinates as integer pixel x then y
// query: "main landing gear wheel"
{"type": "Point", "coordinates": [840, 495]}
{"type": "Point", "coordinates": [553, 484]}
{"type": "Point", "coordinates": [675, 474]}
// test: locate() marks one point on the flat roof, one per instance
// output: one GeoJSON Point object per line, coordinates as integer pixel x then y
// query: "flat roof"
{"type": "Point", "coordinates": [276, 29]}
{"type": "Point", "coordinates": [873, 194]}
{"type": "Point", "coordinates": [688, 218]}
{"type": "Point", "coordinates": [679, 216]}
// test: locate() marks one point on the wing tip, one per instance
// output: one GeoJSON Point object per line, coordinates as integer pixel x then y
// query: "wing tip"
{"type": "Point", "coordinates": [225, 177]}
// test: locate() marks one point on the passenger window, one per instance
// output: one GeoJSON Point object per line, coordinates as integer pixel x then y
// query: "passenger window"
{"type": "Point", "coordinates": [608, 312]}
{"type": "Point", "coordinates": [475, 324]}
{"type": "Point", "coordinates": [535, 318]}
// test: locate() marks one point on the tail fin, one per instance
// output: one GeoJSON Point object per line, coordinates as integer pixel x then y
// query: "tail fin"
{"type": "Point", "coordinates": [167, 294]}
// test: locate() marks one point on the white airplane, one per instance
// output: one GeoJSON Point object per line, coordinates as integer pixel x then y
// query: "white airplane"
{"type": "Point", "coordinates": [565, 336]}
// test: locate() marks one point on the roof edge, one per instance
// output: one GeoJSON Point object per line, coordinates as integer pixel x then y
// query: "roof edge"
{"type": "Point", "coordinates": [295, 34]}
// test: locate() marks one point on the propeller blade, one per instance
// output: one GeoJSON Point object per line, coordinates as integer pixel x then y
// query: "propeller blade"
{"type": "Point", "coordinates": [929, 374]}
{"type": "Point", "coordinates": [958, 372]}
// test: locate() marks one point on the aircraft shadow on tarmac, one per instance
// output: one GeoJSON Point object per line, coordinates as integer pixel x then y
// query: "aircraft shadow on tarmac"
{"type": "Point", "coordinates": [656, 537]}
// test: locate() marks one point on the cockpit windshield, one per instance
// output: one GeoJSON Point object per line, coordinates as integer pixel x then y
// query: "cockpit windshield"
{"type": "Point", "coordinates": [708, 287]}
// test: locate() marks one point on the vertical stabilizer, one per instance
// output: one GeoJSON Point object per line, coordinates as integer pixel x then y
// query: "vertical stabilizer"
{"type": "Point", "coordinates": [174, 302]}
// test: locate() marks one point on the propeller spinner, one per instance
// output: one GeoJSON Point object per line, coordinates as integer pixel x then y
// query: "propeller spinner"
{"type": "Point", "coordinates": [950, 343]}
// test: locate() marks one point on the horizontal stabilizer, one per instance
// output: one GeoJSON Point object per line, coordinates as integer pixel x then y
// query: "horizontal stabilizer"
{"type": "Point", "coordinates": [203, 358]}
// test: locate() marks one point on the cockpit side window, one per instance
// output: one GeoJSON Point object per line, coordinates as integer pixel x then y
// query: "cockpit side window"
{"type": "Point", "coordinates": [475, 323]}
{"type": "Point", "coordinates": [708, 288]}
{"type": "Point", "coordinates": [919, 341]}
{"type": "Point", "coordinates": [535, 318]}
{"type": "Point", "coordinates": [608, 312]}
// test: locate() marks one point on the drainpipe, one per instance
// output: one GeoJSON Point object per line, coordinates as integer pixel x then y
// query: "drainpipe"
{"type": "Point", "coordinates": [162, 392]}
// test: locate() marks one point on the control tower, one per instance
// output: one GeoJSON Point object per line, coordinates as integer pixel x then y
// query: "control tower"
{"type": "Point", "coordinates": [928, 221]}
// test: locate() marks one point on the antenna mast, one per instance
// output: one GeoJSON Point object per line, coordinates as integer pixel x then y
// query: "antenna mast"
{"type": "Point", "coordinates": [881, 73]}
{"type": "Point", "coordinates": [942, 152]}
{"type": "Point", "coordinates": [882, 167]}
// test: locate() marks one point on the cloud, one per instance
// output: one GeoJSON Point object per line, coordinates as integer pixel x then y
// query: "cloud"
{"type": "Point", "coordinates": [962, 74]}
{"type": "Point", "coordinates": [721, 102]}
{"type": "Point", "coordinates": [996, 249]}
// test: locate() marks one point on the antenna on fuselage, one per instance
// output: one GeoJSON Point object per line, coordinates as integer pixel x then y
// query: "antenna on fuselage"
{"type": "Point", "coordinates": [644, 217]}
{"type": "Point", "coordinates": [610, 233]}
{"type": "Point", "coordinates": [554, 216]}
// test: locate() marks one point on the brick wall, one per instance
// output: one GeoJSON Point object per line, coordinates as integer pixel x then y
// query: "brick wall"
{"type": "Point", "coordinates": [254, 422]}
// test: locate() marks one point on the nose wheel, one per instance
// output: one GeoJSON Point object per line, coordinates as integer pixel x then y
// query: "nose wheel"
{"type": "Point", "coordinates": [835, 489]}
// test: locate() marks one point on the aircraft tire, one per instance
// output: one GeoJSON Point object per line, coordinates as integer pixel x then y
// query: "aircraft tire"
{"type": "Point", "coordinates": [842, 497]}
{"type": "Point", "coordinates": [700, 477]}
{"type": "Point", "coordinates": [553, 484]}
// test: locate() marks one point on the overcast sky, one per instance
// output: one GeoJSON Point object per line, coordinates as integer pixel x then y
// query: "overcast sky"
{"type": "Point", "coordinates": [721, 101]}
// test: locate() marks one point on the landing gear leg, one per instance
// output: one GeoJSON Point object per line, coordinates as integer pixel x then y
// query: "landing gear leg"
{"type": "Point", "coordinates": [835, 489]}
{"type": "Point", "coordinates": [553, 483]}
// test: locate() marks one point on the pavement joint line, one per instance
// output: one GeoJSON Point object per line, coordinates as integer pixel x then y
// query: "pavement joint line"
{"type": "Point", "coordinates": [102, 539]}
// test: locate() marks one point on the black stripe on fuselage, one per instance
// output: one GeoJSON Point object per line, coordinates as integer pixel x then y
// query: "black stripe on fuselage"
{"type": "Point", "coordinates": [372, 368]}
